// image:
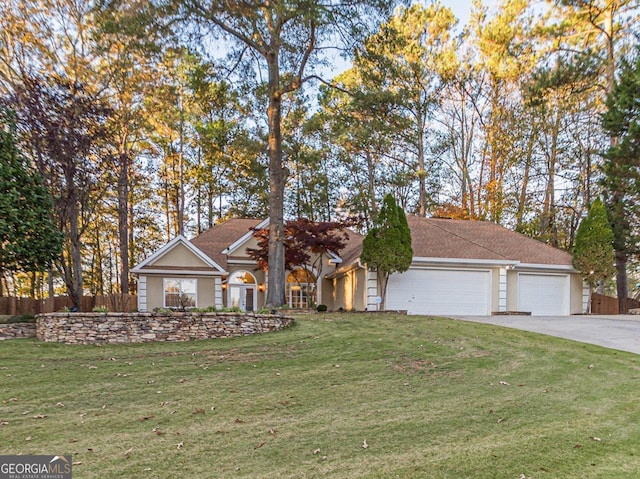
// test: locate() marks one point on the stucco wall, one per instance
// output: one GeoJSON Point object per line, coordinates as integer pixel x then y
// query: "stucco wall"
{"type": "Point", "coordinates": [97, 328]}
{"type": "Point", "coordinates": [350, 291]}
{"type": "Point", "coordinates": [180, 256]}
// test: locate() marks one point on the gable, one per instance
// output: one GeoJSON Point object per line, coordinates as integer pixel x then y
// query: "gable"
{"type": "Point", "coordinates": [216, 241]}
{"type": "Point", "coordinates": [181, 256]}
{"type": "Point", "coordinates": [178, 254]}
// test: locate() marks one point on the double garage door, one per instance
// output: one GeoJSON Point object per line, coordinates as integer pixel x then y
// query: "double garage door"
{"type": "Point", "coordinates": [441, 292]}
{"type": "Point", "coordinates": [468, 292]}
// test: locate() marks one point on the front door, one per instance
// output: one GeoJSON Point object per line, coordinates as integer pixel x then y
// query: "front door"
{"type": "Point", "coordinates": [242, 296]}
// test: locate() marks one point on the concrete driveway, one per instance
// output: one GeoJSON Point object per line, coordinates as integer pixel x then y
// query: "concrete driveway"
{"type": "Point", "coordinates": [616, 332]}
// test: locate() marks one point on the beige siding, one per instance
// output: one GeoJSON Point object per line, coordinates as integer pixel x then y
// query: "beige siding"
{"type": "Point", "coordinates": [326, 295]}
{"type": "Point", "coordinates": [206, 292]}
{"type": "Point", "coordinates": [180, 256]}
{"type": "Point", "coordinates": [154, 292]}
{"type": "Point", "coordinates": [350, 291]}
{"type": "Point", "coordinates": [577, 292]}
{"type": "Point", "coordinates": [512, 290]}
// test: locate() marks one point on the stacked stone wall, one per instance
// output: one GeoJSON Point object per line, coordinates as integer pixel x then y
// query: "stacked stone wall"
{"type": "Point", "coordinates": [17, 330]}
{"type": "Point", "coordinates": [100, 328]}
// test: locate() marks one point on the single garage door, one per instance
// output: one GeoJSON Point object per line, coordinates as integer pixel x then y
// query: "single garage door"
{"type": "Point", "coordinates": [441, 291]}
{"type": "Point", "coordinates": [543, 294]}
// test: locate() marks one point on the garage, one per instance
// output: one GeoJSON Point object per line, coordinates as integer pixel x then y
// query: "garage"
{"type": "Point", "coordinates": [441, 291]}
{"type": "Point", "coordinates": [543, 294]}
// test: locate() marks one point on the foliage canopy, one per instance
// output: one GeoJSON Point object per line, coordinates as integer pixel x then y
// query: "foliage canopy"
{"type": "Point", "coordinates": [29, 239]}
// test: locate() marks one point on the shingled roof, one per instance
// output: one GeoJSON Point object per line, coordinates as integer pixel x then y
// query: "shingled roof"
{"type": "Point", "coordinates": [430, 238]}
{"type": "Point", "coordinates": [213, 241]}
{"type": "Point", "coordinates": [464, 239]}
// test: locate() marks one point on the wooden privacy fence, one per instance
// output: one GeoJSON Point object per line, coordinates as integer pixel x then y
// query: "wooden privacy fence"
{"type": "Point", "coordinates": [12, 306]}
{"type": "Point", "coordinates": [601, 304]}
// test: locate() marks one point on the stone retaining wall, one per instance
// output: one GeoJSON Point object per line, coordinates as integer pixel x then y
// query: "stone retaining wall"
{"type": "Point", "coordinates": [99, 328]}
{"type": "Point", "coordinates": [17, 330]}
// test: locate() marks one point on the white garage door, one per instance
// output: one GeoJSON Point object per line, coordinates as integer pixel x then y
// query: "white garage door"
{"type": "Point", "coordinates": [543, 294]}
{"type": "Point", "coordinates": [441, 291]}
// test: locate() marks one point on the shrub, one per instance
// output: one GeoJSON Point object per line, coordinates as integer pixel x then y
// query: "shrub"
{"type": "Point", "coordinates": [321, 308]}
{"type": "Point", "coordinates": [208, 309]}
{"type": "Point", "coordinates": [100, 309]}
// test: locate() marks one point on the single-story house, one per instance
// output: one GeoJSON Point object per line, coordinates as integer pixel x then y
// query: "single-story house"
{"type": "Point", "coordinates": [459, 268]}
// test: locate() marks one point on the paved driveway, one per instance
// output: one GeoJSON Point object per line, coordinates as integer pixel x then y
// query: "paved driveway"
{"type": "Point", "coordinates": [616, 332]}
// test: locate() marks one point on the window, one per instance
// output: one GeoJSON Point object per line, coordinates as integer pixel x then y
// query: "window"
{"type": "Point", "coordinates": [301, 289]}
{"type": "Point", "coordinates": [180, 293]}
{"type": "Point", "coordinates": [241, 277]}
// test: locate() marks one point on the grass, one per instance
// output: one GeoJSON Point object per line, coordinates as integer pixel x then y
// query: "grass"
{"type": "Point", "coordinates": [429, 397]}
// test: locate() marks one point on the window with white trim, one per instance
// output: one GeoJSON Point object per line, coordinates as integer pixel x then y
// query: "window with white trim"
{"type": "Point", "coordinates": [301, 289]}
{"type": "Point", "coordinates": [180, 293]}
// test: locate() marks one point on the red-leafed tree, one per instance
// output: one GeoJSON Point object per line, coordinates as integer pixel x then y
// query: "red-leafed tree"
{"type": "Point", "coordinates": [302, 239]}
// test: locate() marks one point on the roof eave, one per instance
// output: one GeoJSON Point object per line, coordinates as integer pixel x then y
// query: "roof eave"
{"type": "Point", "coordinates": [567, 268]}
{"type": "Point", "coordinates": [422, 260]}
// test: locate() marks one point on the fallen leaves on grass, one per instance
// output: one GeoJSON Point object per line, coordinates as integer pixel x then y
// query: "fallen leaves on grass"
{"type": "Point", "coordinates": [128, 451]}
{"type": "Point", "coordinates": [39, 416]}
{"type": "Point", "coordinates": [597, 439]}
{"type": "Point", "coordinates": [146, 418]}
{"type": "Point", "coordinates": [198, 410]}
{"type": "Point", "coordinates": [259, 445]}
{"type": "Point", "coordinates": [504, 383]}
{"type": "Point", "coordinates": [365, 445]}
{"type": "Point", "coordinates": [180, 445]}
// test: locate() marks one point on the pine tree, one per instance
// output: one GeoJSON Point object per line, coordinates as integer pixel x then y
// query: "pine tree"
{"type": "Point", "coordinates": [622, 168]}
{"type": "Point", "coordinates": [593, 253]}
{"type": "Point", "coordinates": [387, 246]}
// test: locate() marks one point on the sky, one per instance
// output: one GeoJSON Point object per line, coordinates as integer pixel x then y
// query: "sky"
{"type": "Point", "coordinates": [460, 8]}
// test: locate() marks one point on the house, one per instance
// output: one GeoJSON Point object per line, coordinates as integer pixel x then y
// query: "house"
{"type": "Point", "coordinates": [459, 268]}
{"type": "Point", "coordinates": [214, 269]}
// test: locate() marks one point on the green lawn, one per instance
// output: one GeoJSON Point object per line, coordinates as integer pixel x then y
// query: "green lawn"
{"type": "Point", "coordinates": [428, 397]}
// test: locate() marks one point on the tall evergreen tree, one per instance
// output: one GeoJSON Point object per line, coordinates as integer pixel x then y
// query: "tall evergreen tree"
{"type": "Point", "coordinates": [593, 253]}
{"type": "Point", "coordinates": [387, 246]}
{"type": "Point", "coordinates": [29, 239]}
{"type": "Point", "coordinates": [622, 168]}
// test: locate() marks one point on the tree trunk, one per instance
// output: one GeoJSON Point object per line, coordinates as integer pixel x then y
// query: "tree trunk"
{"type": "Point", "coordinates": [621, 281]}
{"type": "Point", "coordinates": [422, 202]}
{"type": "Point", "coordinates": [276, 276]}
{"type": "Point", "coordinates": [75, 281]}
{"type": "Point", "coordinates": [123, 220]}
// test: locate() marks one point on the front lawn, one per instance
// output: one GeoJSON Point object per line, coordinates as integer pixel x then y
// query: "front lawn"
{"type": "Point", "coordinates": [336, 396]}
